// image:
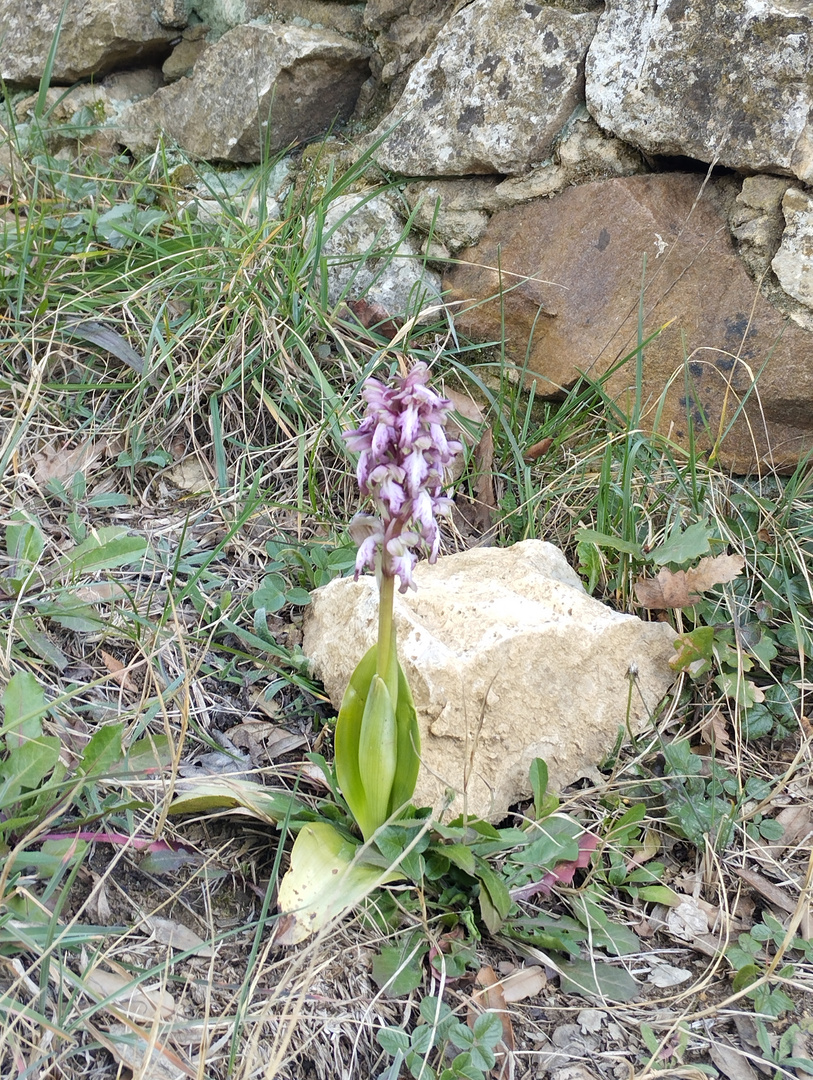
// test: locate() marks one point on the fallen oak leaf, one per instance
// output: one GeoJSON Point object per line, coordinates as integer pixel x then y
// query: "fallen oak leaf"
{"type": "Point", "coordinates": [682, 588]}
{"type": "Point", "coordinates": [538, 450]}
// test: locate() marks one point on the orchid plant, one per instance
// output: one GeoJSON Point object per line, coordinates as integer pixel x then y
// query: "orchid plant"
{"type": "Point", "coordinates": [403, 453]}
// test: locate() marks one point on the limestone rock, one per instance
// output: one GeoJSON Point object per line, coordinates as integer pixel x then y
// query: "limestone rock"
{"type": "Point", "coordinates": [347, 19]}
{"type": "Point", "coordinates": [756, 220]}
{"type": "Point", "coordinates": [793, 263]}
{"type": "Point", "coordinates": [187, 53]}
{"type": "Point", "coordinates": [293, 80]}
{"type": "Point", "coordinates": [508, 659]}
{"type": "Point", "coordinates": [404, 30]}
{"type": "Point", "coordinates": [573, 300]}
{"type": "Point", "coordinates": [719, 80]}
{"type": "Point", "coordinates": [96, 36]}
{"type": "Point", "coordinates": [394, 277]}
{"type": "Point", "coordinates": [495, 89]}
{"type": "Point", "coordinates": [456, 211]}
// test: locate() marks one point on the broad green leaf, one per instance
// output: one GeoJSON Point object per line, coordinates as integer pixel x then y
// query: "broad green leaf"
{"type": "Point", "coordinates": [694, 651]}
{"type": "Point", "coordinates": [25, 544]}
{"type": "Point", "coordinates": [24, 706]}
{"type": "Point", "coordinates": [659, 894]}
{"type": "Point", "coordinates": [597, 980]}
{"type": "Point", "coordinates": [68, 611]}
{"type": "Point", "coordinates": [391, 1040]}
{"type": "Point", "coordinates": [398, 970]}
{"type": "Point", "coordinates": [743, 691]}
{"type": "Point", "coordinates": [105, 549]}
{"type": "Point", "coordinates": [102, 751]}
{"type": "Point", "coordinates": [377, 755]}
{"type": "Point", "coordinates": [27, 766]}
{"type": "Point", "coordinates": [600, 539]}
{"type": "Point", "coordinates": [39, 643]}
{"type": "Point", "coordinates": [461, 856]}
{"type": "Point", "coordinates": [682, 547]}
{"type": "Point", "coordinates": [219, 793]}
{"type": "Point", "coordinates": [325, 880]}
{"type": "Point", "coordinates": [409, 746]}
{"type": "Point", "coordinates": [557, 840]}
{"type": "Point", "coordinates": [495, 900]}
{"type": "Point", "coordinates": [348, 732]}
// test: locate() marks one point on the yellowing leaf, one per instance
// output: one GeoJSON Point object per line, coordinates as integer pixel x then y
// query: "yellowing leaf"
{"type": "Point", "coordinates": [682, 588]}
{"type": "Point", "coordinates": [325, 880]}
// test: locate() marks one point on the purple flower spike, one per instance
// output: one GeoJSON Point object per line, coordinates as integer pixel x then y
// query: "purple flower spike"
{"type": "Point", "coordinates": [403, 451]}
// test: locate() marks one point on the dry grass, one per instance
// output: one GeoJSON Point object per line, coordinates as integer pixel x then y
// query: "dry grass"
{"type": "Point", "coordinates": [217, 433]}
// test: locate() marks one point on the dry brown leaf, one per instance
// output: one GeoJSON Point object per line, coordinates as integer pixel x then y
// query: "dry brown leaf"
{"type": "Point", "coordinates": [146, 1059]}
{"type": "Point", "coordinates": [714, 730]}
{"type": "Point", "coordinates": [135, 1002]}
{"type": "Point", "coordinates": [538, 450]}
{"type": "Point", "coordinates": [191, 474]}
{"type": "Point", "coordinates": [773, 893]}
{"type": "Point", "coordinates": [682, 588]}
{"type": "Point", "coordinates": [525, 983]}
{"type": "Point", "coordinates": [373, 316]}
{"type": "Point", "coordinates": [490, 998]}
{"type": "Point", "coordinates": [119, 672]}
{"type": "Point", "coordinates": [480, 511]}
{"type": "Point", "coordinates": [177, 936]}
{"type": "Point", "coordinates": [731, 1063]}
{"type": "Point", "coordinates": [100, 592]}
{"type": "Point", "coordinates": [60, 463]}
{"type": "Point", "coordinates": [265, 740]}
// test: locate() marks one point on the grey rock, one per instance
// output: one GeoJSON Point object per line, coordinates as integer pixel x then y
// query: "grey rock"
{"type": "Point", "coordinates": [508, 659]}
{"type": "Point", "coordinates": [719, 80]}
{"type": "Point", "coordinates": [347, 19]}
{"type": "Point", "coordinates": [96, 36]}
{"type": "Point", "coordinates": [793, 263]}
{"type": "Point", "coordinates": [456, 211]}
{"type": "Point", "coordinates": [491, 95]}
{"type": "Point", "coordinates": [404, 30]}
{"type": "Point", "coordinates": [756, 220]}
{"type": "Point", "coordinates": [185, 55]}
{"type": "Point", "coordinates": [283, 83]}
{"type": "Point", "coordinates": [369, 255]}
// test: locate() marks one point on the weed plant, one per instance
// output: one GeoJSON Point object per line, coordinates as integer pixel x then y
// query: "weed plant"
{"type": "Point", "coordinates": [173, 485]}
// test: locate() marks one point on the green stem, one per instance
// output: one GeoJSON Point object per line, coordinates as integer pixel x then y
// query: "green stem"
{"type": "Point", "coordinates": [386, 629]}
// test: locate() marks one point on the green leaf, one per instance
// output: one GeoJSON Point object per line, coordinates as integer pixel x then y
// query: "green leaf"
{"type": "Point", "coordinates": [598, 980]}
{"type": "Point", "coordinates": [495, 900]}
{"type": "Point", "coordinates": [377, 755]}
{"type": "Point", "coordinates": [600, 539]}
{"type": "Point", "coordinates": [397, 969]}
{"type": "Point", "coordinates": [218, 793]}
{"type": "Point", "coordinates": [409, 746]}
{"type": "Point", "coordinates": [24, 706]}
{"type": "Point", "coordinates": [25, 544]}
{"type": "Point", "coordinates": [346, 738]}
{"type": "Point", "coordinates": [694, 651]}
{"type": "Point", "coordinates": [460, 855]}
{"type": "Point", "coordinates": [39, 643]}
{"type": "Point", "coordinates": [325, 880]}
{"type": "Point", "coordinates": [682, 547]}
{"type": "Point", "coordinates": [734, 686]}
{"type": "Point", "coordinates": [439, 1017]}
{"type": "Point", "coordinates": [102, 751]}
{"type": "Point", "coordinates": [71, 613]}
{"type": "Point", "coordinates": [105, 549]}
{"type": "Point", "coordinates": [391, 1040]}
{"type": "Point", "coordinates": [27, 766]}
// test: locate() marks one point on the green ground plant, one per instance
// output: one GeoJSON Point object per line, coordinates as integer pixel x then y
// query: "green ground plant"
{"type": "Point", "coordinates": [149, 602]}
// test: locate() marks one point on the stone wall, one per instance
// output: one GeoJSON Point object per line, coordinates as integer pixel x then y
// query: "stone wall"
{"type": "Point", "coordinates": [545, 148]}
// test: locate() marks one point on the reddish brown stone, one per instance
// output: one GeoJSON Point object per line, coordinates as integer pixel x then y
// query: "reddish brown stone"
{"type": "Point", "coordinates": [571, 273]}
